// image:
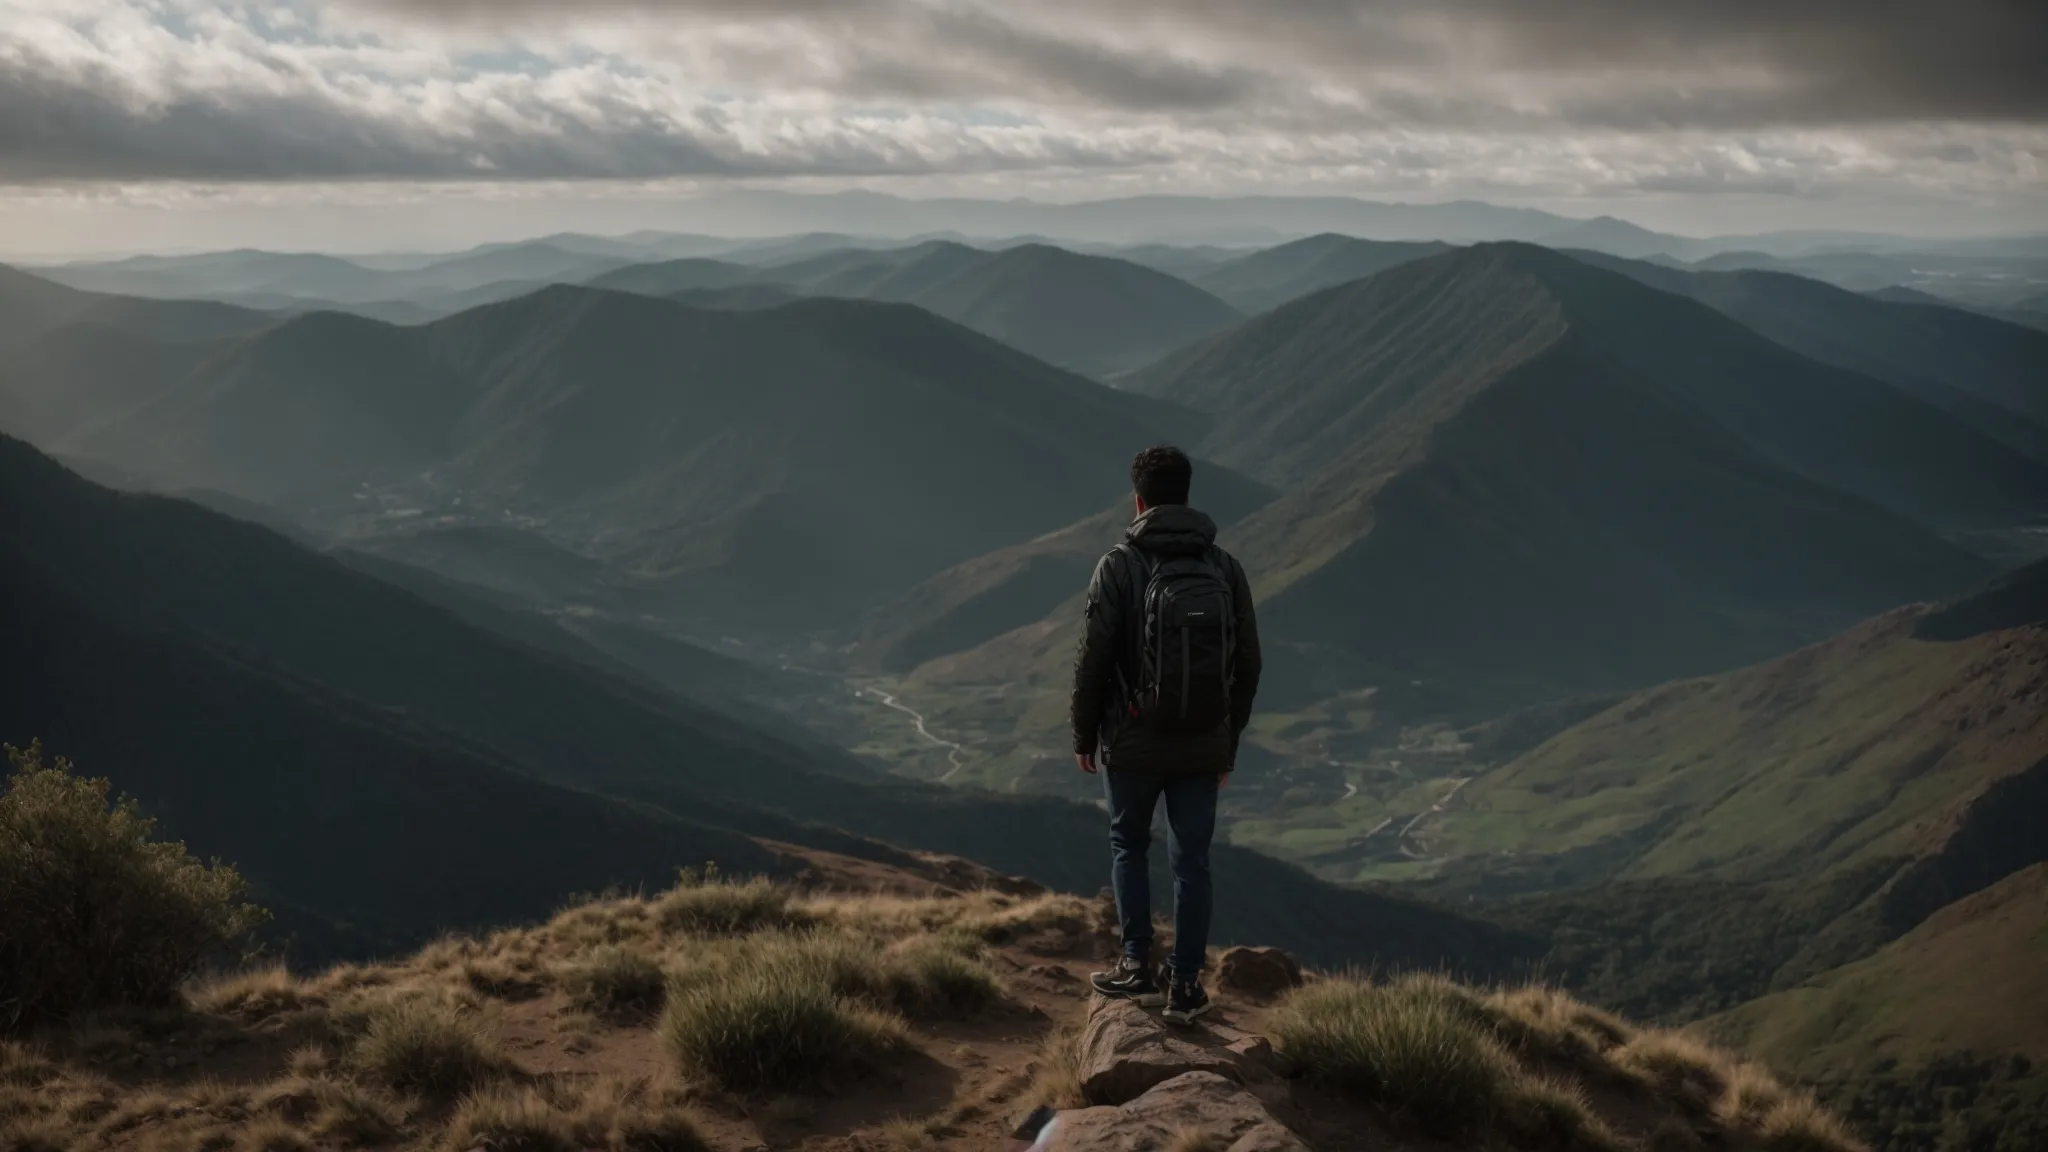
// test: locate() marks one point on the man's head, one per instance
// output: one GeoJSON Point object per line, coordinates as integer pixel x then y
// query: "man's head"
{"type": "Point", "coordinates": [1161, 475]}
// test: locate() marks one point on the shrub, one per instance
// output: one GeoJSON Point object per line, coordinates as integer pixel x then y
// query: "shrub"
{"type": "Point", "coordinates": [94, 911]}
{"type": "Point", "coordinates": [712, 905]}
{"type": "Point", "coordinates": [420, 1045]}
{"type": "Point", "coordinates": [1411, 1047]}
{"type": "Point", "coordinates": [761, 1030]}
{"type": "Point", "coordinates": [614, 982]}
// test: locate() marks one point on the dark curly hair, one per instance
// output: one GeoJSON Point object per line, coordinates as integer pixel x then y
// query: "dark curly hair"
{"type": "Point", "coordinates": [1162, 475]}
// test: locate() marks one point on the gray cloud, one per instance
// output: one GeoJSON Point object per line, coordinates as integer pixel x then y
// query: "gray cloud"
{"type": "Point", "coordinates": [1497, 94]}
{"type": "Point", "coordinates": [1718, 63]}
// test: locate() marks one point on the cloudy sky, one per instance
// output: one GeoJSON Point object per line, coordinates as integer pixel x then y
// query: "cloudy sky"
{"type": "Point", "coordinates": [355, 124]}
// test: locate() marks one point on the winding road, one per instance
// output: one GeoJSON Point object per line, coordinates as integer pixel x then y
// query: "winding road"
{"type": "Point", "coordinates": [953, 750]}
{"type": "Point", "coordinates": [1426, 813]}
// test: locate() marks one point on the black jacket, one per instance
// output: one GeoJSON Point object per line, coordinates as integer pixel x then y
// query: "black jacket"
{"type": "Point", "coordinates": [1110, 642]}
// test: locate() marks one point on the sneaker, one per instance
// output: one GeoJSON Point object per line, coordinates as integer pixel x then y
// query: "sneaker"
{"type": "Point", "coordinates": [1130, 980]}
{"type": "Point", "coordinates": [1187, 1001]}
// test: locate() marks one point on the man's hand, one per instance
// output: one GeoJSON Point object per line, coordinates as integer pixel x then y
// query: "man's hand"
{"type": "Point", "coordinates": [1223, 782]}
{"type": "Point", "coordinates": [1086, 760]}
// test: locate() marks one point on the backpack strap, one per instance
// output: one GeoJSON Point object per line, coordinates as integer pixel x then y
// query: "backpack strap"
{"type": "Point", "coordinates": [1135, 600]}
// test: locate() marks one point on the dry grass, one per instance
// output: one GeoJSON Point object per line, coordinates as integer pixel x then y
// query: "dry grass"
{"type": "Point", "coordinates": [762, 1030]}
{"type": "Point", "coordinates": [718, 907]}
{"type": "Point", "coordinates": [1057, 1081]}
{"type": "Point", "coordinates": [254, 995]}
{"type": "Point", "coordinates": [1799, 1124]}
{"type": "Point", "coordinates": [271, 1135]}
{"type": "Point", "coordinates": [1548, 1113]}
{"type": "Point", "coordinates": [1678, 1068]}
{"type": "Point", "coordinates": [418, 1044]}
{"type": "Point", "coordinates": [615, 983]}
{"type": "Point", "coordinates": [1413, 1047]}
{"type": "Point", "coordinates": [610, 1114]}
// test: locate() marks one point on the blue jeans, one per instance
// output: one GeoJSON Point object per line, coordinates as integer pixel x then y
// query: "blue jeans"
{"type": "Point", "coordinates": [1190, 823]}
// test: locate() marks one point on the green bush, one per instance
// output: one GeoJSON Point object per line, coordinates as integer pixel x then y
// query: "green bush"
{"type": "Point", "coordinates": [1412, 1047]}
{"type": "Point", "coordinates": [93, 911]}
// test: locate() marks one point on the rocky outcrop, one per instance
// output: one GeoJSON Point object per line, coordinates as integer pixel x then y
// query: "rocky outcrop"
{"type": "Point", "coordinates": [1125, 1051]}
{"type": "Point", "coordinates": [1200, 1103]}
{"type": "Point", "coordinates": [1261, 972]}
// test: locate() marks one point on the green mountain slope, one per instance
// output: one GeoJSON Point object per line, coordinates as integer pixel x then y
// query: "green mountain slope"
{"type": "Point", "coordinates": [1265, 280]}
{"type": "Point", "coordinates": [1989, 373]}
{"type": "Point", "coordinates": [722, 458]}
{"type": "Point", "coordinates": [1525, 477]}
{"type": "Point", "coordinates": [1968, 979]}
{"type": "Point", "coordinates": [1856, 749]}
{"type": "Point", "coordinates": [210, 628]}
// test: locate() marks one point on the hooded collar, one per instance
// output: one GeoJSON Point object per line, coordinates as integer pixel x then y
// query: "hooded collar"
{"type": "Point", "coordinates": [1172, 530]}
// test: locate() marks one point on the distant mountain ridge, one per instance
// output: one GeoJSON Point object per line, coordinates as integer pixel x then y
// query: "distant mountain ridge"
{"type": "Point", "coordinates": [721, 456]}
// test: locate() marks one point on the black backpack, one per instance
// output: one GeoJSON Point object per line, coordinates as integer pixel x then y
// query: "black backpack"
{"type": "Point", "coordinates": [1187, 650]}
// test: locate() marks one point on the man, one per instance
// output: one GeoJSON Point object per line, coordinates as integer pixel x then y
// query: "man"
{"type": "Point", "coordinates": [1163, 688]}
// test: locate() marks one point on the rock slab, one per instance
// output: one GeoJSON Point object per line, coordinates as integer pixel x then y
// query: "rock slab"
{"type": "Point", "coordinates": [1125, 1053]}
{"type": "Point", "coordinates": [1193, 1102]}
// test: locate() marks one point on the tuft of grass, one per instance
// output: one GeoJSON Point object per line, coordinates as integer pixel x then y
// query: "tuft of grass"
{"type": "Point", "coordinates": [24, 1066]}
{"type": "Point", "coordinates": [421, 1045]}
{"type": "Point", "coordinates": [766, 1031]}
{"type": "Point", "coordinates": [1545, 1024]}
{"type": "Point", "coordinates": [1057, 1082]}
{"type": "Point", "coordinates": [616, 983]}
{"type": "Point", "coordinates": [1410, 1047]}
{"type": "Point", "coordinates": [1677, 1067]}
{"type": "Point", "coordinates": [512, 1120]}
{"type": "Point", "coordinates": [1751, 1095]}
{"type": "Point", "coordinates": [1796, 1123]}
{"type": "Point", "coordinates": [254, 995]}
{"type": "Point", "coordinates": [1546, 1114]}
{"type": "Point", "coordinates": [500, 979]}
{"type": "Point", "coordinates": [715, 906]}
{"type": "Point", "coordinates": [41, 1135]}
{"type": "Point", "coordinates": [610, 1115]}
{"type": "Point", "coordinates": [938, 976]}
